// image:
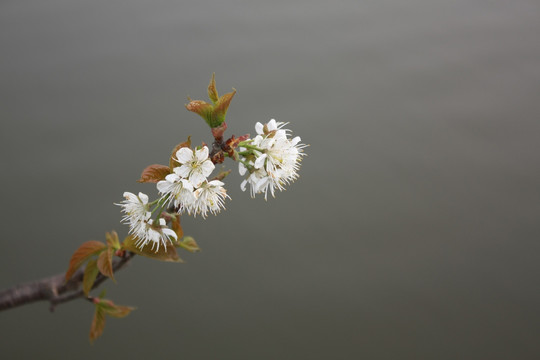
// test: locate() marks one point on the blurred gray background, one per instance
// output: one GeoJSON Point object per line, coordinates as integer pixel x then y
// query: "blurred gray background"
{"type": "Point", "coordinates": [412, 232]}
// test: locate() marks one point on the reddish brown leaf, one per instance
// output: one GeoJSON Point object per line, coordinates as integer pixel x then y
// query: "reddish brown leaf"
{"type": "Point", "coordinates": [90, 273]}
{"type": "Point", "coordinates": [172, 162]}
{"type": "Point", "coordinates": [175, 225]}
{"type": "Point", "coordinates": [104, 263]}
{"type": "Point", "coordinates": [154, 173]}
{"type": "Point", "coordinates": [222, 175]}
{"type": "Point", "coordinates": [80, 255]}
{"type": "Point", "coordinates": [164, 254]}
{"type": "Point", "coordinates": [98, 324]}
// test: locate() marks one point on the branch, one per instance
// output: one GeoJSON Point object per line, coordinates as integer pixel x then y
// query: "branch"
{"type": "Point", "coordinates": [54, 289]}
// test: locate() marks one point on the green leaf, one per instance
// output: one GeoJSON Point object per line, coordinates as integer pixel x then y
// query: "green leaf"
{"type": "Point", "coordinates": [111, 309]}
{"type": "Point", "coordinates": [221, 107]}
{"type": "Point", "coordinates": [189, 244]}
{"type": "Point", "coordinates": [164, 254]}
{"type": "Point", "coordinates": [104, 263]}
{"type": "Point", "coordinates": [118, 311]}
{"type": "Point", "coordinates": [80, 255]}
{"type": "Point", "coordinates": [98, 324]}
{"type": "Point", "coordinates": [154, 173]}
{"type": "Point", "coordinates": [90, 273]}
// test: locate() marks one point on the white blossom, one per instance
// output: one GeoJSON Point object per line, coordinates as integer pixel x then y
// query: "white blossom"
{"type": "Point", "coordinates": [177, 191]}
{"type": "Point", "coordinates": [259, 182]}
{"type": "Point", "coordinates": [140, 225]}
{"type": "Point", "coordinates": [209, 197]}
{"type": "Point", "coordinates": [275, 161]}
{"type": "Point", "coordinates": [135, 209]}
{"type": "Point", "coordinates": [195, 165]}
{"type": "Point", "coordinates": [156, 234]}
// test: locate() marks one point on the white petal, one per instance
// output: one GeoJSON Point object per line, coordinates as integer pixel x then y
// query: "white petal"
{"type": "Point", "coordinates": [187, 185]}
{"type": "Point", "coordinates": [170, 233]}
{"type": "Point", "coordinates": [216, 183]}
{"type": "Point", "coordinates": [162, 222]}
{"type": "Point", "coordinates": [207, 167]}
{"type": "Point", "coordinates": [268, 143]}
{"type": "Point", "coordinates": [257, 140]}
{"type": "Point", "coordinates": [184, 155]}
{"type": "Point", "coordinates": [163, 186]}
{"type": "Point", "coordinates": [172, 178]}
{"type": "Point", "coordinates": [272, 125]}
{"type": "Point", "coordinates": [259, 128]}
{"type": "Point", "coordinates": [187, 197]}
{"type": "Point", "coordinates": [243, 185]}
{"type": "Point", "coordinates": [183, 171]}
{"type": "Point", "coordinates": [295, 141]}
{"type": "Point", "coordinates": [202, 154]}
{"type": "Point", "coordinates": [261, 183]}
{"type": "Point", "coordinates": [144, 198]}
{"type": "Point", "coordinates": [242, 169]}
{"type": "Point", "coordinates": [197, 178]}
{"type": "Point", "coordinates": [259, 163]}
{"type": "Point", "coordinates": [280, 134]}
{"type": "Point", "coordinates": [130, 196]}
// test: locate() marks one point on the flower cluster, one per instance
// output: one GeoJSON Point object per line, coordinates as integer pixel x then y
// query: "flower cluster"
{"type": "Point", "coordinates": [138, 217]}
{"type": "Point", "coordinates": [270, 161]}
{"type": "Point", "coordinates": [271, 158]}
{"type": "Point", "coordinates": [187, 189]}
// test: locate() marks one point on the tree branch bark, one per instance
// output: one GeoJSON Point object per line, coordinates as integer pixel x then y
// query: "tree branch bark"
{"type": "Point", "coordinates": [54, 289]}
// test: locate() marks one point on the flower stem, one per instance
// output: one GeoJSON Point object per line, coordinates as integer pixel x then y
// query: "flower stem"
{"type": "Point", "coordinates": [247, 146]}
{"type": "Point", "coordinates": [160, 205]}
{"type": "Point", "coordinates": [246, 164]}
